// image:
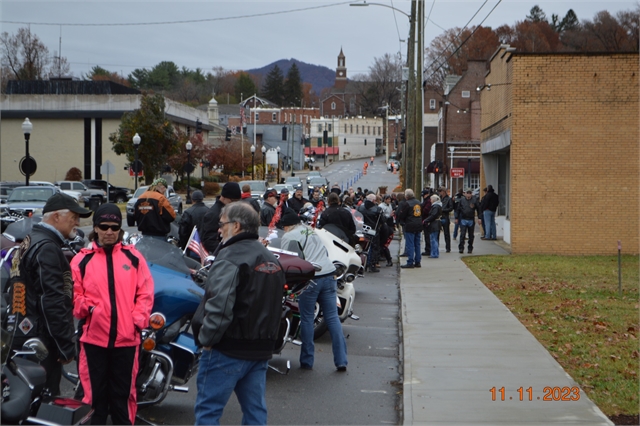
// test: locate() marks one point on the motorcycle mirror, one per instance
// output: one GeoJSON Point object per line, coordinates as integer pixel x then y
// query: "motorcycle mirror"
{"type": "Point", "coordinates": [36, 347]}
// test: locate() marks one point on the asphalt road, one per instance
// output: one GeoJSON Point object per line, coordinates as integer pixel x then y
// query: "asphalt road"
{"type": "Point", "coordinates": [369, 392]}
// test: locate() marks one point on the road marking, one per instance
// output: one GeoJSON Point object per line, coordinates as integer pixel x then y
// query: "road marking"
{"type": "Point", "coordinates": [373, 391]}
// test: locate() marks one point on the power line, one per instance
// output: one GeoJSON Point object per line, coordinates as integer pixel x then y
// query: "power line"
{"type": "Point", "coordinates": [464, 41]}
{"type": "Point", "coordinates": [189, 21]}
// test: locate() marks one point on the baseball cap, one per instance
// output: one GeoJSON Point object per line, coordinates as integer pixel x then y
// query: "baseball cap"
{"type": "Point", "coordinates": [284, 191]}
{"type": "Point", "coordinates": [270, 192]}
{"type": "Point", "coordinates": [61, 201]}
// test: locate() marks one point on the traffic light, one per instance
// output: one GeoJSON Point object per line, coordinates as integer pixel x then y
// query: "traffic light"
{"type": "Point", "coordinates": [403, 135]}
{"type": "Point", "coordinates": [201, 164]}
{"type": "Point", "coordinates": [436, 169]}
{"type": "Point", "coordinates": [227, 136]}
{"type": "Point", "coordinates": [198, 126]}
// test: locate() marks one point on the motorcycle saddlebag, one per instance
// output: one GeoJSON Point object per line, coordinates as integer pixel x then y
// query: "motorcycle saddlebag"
{"type": "Point", "coordinates": [65, 411]}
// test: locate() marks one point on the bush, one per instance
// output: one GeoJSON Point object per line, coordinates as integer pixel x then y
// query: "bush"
{"type": "Point", "coordinates": [211, 188]}
{"type": "Point", "coordinates": [74, 174]}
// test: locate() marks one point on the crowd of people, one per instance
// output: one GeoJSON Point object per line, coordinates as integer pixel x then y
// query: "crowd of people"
{"type": "Point", "coordinates": [108, 286]}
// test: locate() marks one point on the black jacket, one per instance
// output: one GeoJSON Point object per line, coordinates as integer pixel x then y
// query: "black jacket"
{"type": "Point", "coordinates": [340, 217]}
{"type": "Point", "coordinates": [371, 214]}
{"type": "Point", "coordinates": [490, 201]}
{"type": "Point", "coordinates": [209, 235]}
{"type": "Point", "coordinates": [253, 203]}
{"type": "Point", "coordinates": [191, 217]}
{"type": "Point", "coordinates": [432, 221]}
{"type": "Point", "coordinates": [42, 293]}
{"type": "Point", "coordinates": [468, 208]}
{"type": "Point", "coordinates": [411, 215]}
{"type": "Point", "coordinates": [240, 315]}
{"type": "Point", "coordinates": [447, 206]}
{"type": "Point", "coordinates": [153, 214]}
{"type": "Point", "coordinates": [296, 204]}
{"type": "Point", "coordinates": [267, 211]}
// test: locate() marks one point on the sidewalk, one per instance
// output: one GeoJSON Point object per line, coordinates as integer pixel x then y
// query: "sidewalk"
{"type": "Point", "coordinates": [460, 341]}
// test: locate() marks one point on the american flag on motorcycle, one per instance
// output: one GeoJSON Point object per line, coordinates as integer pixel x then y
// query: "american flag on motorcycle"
{"type": "Point", "coordinates": [194, 244]}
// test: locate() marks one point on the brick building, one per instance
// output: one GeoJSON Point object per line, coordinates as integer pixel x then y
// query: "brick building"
{"type": "Point", "coordinates": [560, 136]}
{"type": "Point", "coordinates": [341, 101]}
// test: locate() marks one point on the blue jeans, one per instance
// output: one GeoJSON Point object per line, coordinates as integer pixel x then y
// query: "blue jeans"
{"type": "Point", "coordinates": [489, 224]}
{"type": "Point", "coordinates": [218, 376]}
{"type": "Point", "coordinates": [412, 247]}
{"type": "Point", "coordinates": [435, 250]}
{"type": "Point", "coordinates": [324, 291]}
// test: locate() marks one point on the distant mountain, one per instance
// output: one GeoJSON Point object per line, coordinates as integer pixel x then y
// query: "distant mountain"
{"type": "Point", "coordinates": [319, 76]}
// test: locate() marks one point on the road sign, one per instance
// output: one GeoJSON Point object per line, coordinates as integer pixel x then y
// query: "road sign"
{"type": "Point", "coordinates": [107, 168]}
{"type": "Point", "coordinates": [28, 164]}
{"type": "Point", "coordinates": [132, 173]}
{"type": "Point", "coordinates": [457, 172]}
{"type": "Point", "coordinates": [137, 165]}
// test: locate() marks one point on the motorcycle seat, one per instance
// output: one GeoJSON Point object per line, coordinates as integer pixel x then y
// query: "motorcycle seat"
{"type": "Point", "coordinates": [17, 407]}
{"type": "Point", "coordinates": [36, 373]}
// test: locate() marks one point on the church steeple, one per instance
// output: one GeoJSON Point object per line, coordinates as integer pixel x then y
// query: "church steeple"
{"type": "Point", "coordinates": [341, 72]}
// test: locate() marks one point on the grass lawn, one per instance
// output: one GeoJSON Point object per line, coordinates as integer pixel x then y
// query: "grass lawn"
{"type": "Point", "coordinates": [571, 305]}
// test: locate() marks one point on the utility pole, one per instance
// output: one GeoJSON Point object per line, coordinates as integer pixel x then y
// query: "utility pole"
{"type": "Point", "coordinates": [409, 156]}
{"type": "Point", "coordinates": [419, 94]}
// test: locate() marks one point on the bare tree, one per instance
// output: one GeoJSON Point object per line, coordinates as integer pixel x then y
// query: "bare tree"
{"type": "Point", "coordinates": [378, 88]}
{"type": "Point", "coordinates": [24, 56]}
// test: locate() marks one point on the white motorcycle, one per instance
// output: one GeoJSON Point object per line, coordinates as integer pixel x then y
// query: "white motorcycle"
{"type": "Point", "coordinates": [348, 267]}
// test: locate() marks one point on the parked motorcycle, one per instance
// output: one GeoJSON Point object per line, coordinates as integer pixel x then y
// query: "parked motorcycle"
{"type": "Point", "coordinates": [25, 399]}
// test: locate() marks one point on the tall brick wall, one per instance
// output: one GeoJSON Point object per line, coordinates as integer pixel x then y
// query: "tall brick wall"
{"type": "Point", "coordinates": [574, 122]}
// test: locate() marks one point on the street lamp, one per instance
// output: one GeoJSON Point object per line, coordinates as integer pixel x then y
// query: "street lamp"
{"type": "Point", "coordinates": [264, 162]}
{"type": "Point", "coordinates": [136, 144]}
{"type": "Point", "coordinates": [253, 153]}
{"type": "Point", "coordinates": [27, 127]}
{"type": "Point", "coordinates": [189, 146]}
{"type": "Point", "coordinates": [278, 150]}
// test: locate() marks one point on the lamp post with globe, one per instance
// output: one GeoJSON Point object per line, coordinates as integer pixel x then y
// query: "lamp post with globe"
{"type": "Point", "coordinates": [136, 145]}
{"type": "Point", "coordinates": [27, 127]}
{"type": "Point", "coordinates": [189, 146]}
{"type": "Point", "coordinates": [253, 167]}
{"type": "Point", "coordinates": [264, 162]}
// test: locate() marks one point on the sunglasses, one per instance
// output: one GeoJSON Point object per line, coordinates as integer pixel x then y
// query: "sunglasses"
{"type": "Point", "coordinates": [114, 228]}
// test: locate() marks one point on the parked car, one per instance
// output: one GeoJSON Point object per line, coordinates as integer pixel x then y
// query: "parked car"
{"type": "Point", "coordinates": [258, 188]}
{"type": "Point", "coordinates": [117, 194]}
{"type": "Point", "coordinates": [25, 200]}
{"type": "Point", "coordinates": [174, 199]}
{"type": "Point", "coordinates": [7, 187]}
{"type": "Point", "coordinates": [70, 185]}
{"type": "Point", "coordinates": [395, 163]}
{"type": "Point", "coordinates": [294, 181]}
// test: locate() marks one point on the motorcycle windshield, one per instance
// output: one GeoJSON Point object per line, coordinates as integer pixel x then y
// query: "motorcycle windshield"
{"type": "Point", "coordinates": [157, 251]}
{"type": "Point", "coordinates": [358, 218]}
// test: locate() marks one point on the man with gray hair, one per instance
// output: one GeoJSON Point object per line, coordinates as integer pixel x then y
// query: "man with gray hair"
{"type": "Point", "coordinates": [411, 215]}
{"type": "Point", "coordinates": [237, 323]}
{"type": "Point", "coordinates": [41, 287]}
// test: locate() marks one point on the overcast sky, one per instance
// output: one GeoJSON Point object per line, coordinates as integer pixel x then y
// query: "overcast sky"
{"type": "Point", "coordinates": [243, 34]}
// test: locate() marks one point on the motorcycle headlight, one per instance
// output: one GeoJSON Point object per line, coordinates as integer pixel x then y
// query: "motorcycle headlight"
{"type": "Point", "coordinates": [341, 268]}
{"type": "Point", "coordinates": [157, 321]}
{"type": "Point", "coordinates": [358, 248]}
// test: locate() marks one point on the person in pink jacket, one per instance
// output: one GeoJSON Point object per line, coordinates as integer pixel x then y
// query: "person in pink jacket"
{"type": "Point", "coordinates": [113, 298]}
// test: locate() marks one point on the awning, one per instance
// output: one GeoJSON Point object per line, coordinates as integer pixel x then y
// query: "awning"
{"type": "Point", "coordinates": [464, 164]}
{"type": "Point", "coordinates": [331, 150]}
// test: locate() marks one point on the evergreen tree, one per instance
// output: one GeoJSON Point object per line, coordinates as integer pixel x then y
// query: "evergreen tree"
{"type": "Point", "coordinates": [292, 87]}
{"type": "Point", "coordinates": [536, 14]}
{"type": "Point", "coordinates": [244, 87]}
{"type": "Point", "coordinates": [273, 88]}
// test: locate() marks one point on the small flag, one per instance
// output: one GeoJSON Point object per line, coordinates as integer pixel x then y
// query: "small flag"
{"type": "Point", "coordinates": [242, 117]}
{"type": "Point", "coordinates": [194, 244]}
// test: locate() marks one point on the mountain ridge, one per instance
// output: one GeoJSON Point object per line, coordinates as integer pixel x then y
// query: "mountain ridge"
{"type": "Point", "coordinates": [319, 76]}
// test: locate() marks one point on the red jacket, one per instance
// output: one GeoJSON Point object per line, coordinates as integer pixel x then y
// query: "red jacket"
{"type": "Point", "coordinates": [113, 291]}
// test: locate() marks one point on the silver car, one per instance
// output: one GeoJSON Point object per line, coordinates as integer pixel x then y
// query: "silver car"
{"type": "Point", "coordinates": [172, 196]}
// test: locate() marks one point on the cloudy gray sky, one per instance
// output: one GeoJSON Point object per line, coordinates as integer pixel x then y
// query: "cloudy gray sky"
{"type": "Point", "coordinates": [243, 34]}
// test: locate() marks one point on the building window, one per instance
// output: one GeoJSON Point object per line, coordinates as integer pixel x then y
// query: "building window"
{"type": "Point", "coordinates": [345, 128]}
{"type": "Point", "coordinates": [379, 130]}
{"type": "Point", "coordinates": [320, 127]}
{"type": "Point", "coordinates": [345, 141]}
{"type": "Point", "coordinates": [466, 94]}
{"type": "Point", "coordinates": [357, 129]}
{"type": "Point", "coordinates": [329, 127]}
{"type": "Point", "coordinates": [432, 104]}
{"type": "Point", "coordinates": [365, 142]}
{"type": "Point", "coordinates": [257, 116]}
{"type": "Point", "coordinates": [368, 130]}
{"type": "Point", "coordinates": [273, 117]}
{"type": "Point", "coordinates": [351, 131]}
{"type": "Point", "coordinates": [333, 105]}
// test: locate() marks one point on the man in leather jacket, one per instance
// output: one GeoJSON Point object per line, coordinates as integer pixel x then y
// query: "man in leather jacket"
{"type": "Point", "coordinates": [447, 208]}
{"type": "Point", "coordinates": [297, 202]}
{"type": "Point", "coordinates": [467, 208]}
{"type": "Point", "coordinates": [338, 216]}
{"type": "Point", "coordinates": [192, 217]}
{"type": "Point", "coordinates": [41, 287]}
{"type": "Point", "coordinates": [371, 214]}
{"type": "Point", "coordinates": [411, 214]}
{"type": "Point", "coordinates": [153, 212]}
{"type": "Point", "coordinates": [209, 225]}
{"type": "Point", "coordinates": [237, 324]}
